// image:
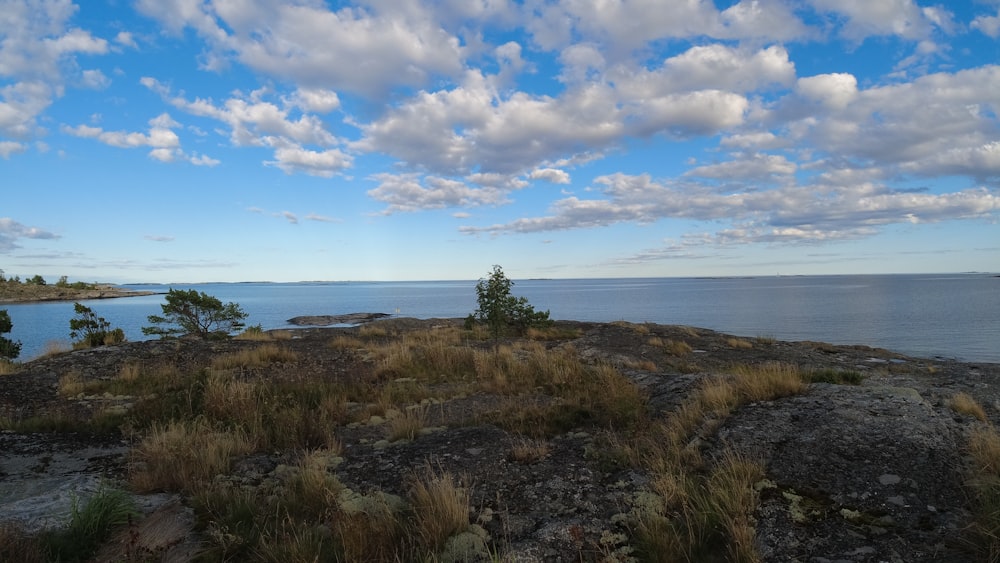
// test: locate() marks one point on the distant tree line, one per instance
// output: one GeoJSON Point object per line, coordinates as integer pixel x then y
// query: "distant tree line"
{"type": "Point", "coordinates": [40, 281]}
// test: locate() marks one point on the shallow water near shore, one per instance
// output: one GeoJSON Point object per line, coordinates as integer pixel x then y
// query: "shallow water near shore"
{"type": "Point", "coordinates": [951, 316]}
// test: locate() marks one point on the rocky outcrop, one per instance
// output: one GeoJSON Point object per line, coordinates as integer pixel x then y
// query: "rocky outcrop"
{"type": "Point", "coordinates": [864, 473]}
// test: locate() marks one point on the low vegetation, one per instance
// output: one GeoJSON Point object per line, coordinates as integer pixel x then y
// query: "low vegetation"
{"type": "Point", "coordinates": [195, 313]}
{"type": "Point", "coordinates": [193, 420]}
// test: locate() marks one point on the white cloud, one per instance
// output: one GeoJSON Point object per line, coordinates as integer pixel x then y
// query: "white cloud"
{"type": "Point", "coordinates": [293, 158]}
{"type": "Point", "coordinates": [317, 100]}
{"type": "Point", "coordinates": [290, 217]}
{"type": "Point", "coordinates": [159, 238]}
{"type": "Point", "coordinates": [865, 18]}
{"type": "Point", "coordinates": [356, 49]}
{"type": "Point", "coordinates": [708, 67]}
{"type": "Point", "coordinates": [747, 168]}
{"type": "Point", "coordinates": [94, 79]}
{"type": "Point", "coordinates": [11, 231]}
{"type": "Point", "coordinates": [203, 160]}
{"type": "Point", "coordinates": [320, 218]}
{"type": "Point", "coordinates": [37, 53]}
{"type": "Point", "coordinates": [406, 193]}
{"type": "Point", "coordinates": [160, 137]}
{"type": "Point", "coordinates": [126, 39]}
{"type": "Point", "coordinates": [989, 25]}
{"type": "Point", "coordinates": [791, 213]}
{"type": "Point", "coordinates": [552, 175]}
{"type": "Point", "coordinates": [832, 90]}
{"type": "Point", "coordinates": [8, 148]}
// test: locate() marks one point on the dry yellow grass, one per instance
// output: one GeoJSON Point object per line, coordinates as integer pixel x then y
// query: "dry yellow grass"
{"type": "Point", "coordinates": [964, 403]}
{"type": "Point", "coordinates": [260, 356]}
{"type": "Point", "coordinates": [373, 331]}
{"type": "Point", "coordinates": [7, 368]}
{"type": "Point", "coordinates": [344, 342]}
{"type": "Point", "coordinates": [54, 348]}
{"type": "Point", "coordinates": [739, 343]}
{"type": "Point", "coordinates": [71, 384]}
{"type": "Point", "coordinates": [771, 380]}
{"type": "Point", "coordinates": [129, 373]}
{"type": "Point", "coordinates": [440, 507]}
{"type": "Point", "coordinates": [183, 456]}
{"type": "Point", "coordinates": [527, 450]}
{"type": "Point", "coordinates": [677, 348]}
{"type": "Point", "coordinates": [407, 424]}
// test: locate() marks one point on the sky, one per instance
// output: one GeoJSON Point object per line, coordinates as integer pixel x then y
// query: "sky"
{"type": "Point", "coordinates": [240, 140]}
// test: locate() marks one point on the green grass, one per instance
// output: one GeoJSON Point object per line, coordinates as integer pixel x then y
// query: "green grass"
{"type": "Point", "coordinates": [836, 376]}
{"type": "Point", "coordinates": [90, 525]}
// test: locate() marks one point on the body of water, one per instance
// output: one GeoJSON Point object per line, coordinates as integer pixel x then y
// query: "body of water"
{"type": "Point", "coordinates": [952, 316]}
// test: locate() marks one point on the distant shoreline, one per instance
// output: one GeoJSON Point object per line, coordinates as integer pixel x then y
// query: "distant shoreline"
{"type": "Point", "coordinates": [55, 293]}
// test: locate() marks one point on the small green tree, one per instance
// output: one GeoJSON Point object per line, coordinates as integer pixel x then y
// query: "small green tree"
{"type": "Point", "coordinates": [9, 349]}
{"type": "Point", "coordinates": [195, 313]}
{"type": "Point", "coordinates": [35, 280]}
{"type": "Point", "coordinates": [90, 330]}
{"type": "Point", "coordinates": [501, 311]}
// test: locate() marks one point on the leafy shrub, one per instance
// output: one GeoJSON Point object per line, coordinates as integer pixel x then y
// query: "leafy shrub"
{"type": "Point", "coordinates": [89, 330]}
{"type": "Point", "coordinates": [500, 310]}
{"type": "Point", "coordinates": [9, 349]}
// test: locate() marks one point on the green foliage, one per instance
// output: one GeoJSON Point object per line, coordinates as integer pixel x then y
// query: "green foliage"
{"type": "Point", "coordinates": [9, 349]}
{"type": "Point", "coordinates": [90, 330]}
{"type": "Point", "coordinates": [89, 526]}
{"type": "Point", "coordinates": [836, 376]}
{"type": "Point", "coordinates": [35, 280]}
{"type": "Point", "coordinates": [501, 311]}
{"type": "Point", "coordinates": [195, 313]}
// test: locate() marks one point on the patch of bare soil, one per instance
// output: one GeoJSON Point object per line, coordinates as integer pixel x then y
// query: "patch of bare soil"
{"type": "Point", "coordinates": [866, 473]}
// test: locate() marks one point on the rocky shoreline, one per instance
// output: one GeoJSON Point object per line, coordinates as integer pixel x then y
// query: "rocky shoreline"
{"type": "Point", "coordinates": [867, 472]}
{"type": "Point", "coordinates": [32, 294]}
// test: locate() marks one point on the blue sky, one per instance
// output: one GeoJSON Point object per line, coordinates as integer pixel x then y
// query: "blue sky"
{"type": "Point", "coordinates": [238, 140]}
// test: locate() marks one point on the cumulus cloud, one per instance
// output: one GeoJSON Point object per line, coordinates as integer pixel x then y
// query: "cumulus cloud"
{"type": "Point", "coordinates": [410, 192]}
{"type": "Point", "coordinates": [888, 17]}
{"type": "Point", "coordinates": [790, 213]}
{"type": "Point", "coordinates": [552, 175]}
{"type": "Point", "coordinates": [989, 25]}
{"type": "Point", "coordinates": [291, 159]}
{"type": "Point", "coordinates": [364, 50]}
{"type": "Point", "coordinates": [164, 142]}
{"type": "Point", "coordinates": [11, 231]}
{"type": "Point", "coordinates": [38, 54]}
{"type": "Point", "coordinates": [832, 90]}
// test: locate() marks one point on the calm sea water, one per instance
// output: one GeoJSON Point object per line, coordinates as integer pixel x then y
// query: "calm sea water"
{"type": "Point", "coordinates": [952, 316]}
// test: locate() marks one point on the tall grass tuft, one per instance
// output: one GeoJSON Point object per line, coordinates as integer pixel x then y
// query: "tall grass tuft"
{"type": "Point", "coordinates": [89, 525]}
{"type": "Point", "coordinates": [771, 380]}
{"type": "Point", "coordinates": [261, 356]}
{"type": "Point", "coordinates": [984, 484]}
{"type": "Point", "coordinates": [964, 403]}
{"type": "Point", "coordinates": [184, 455]}
{"type": "Point", "coordinates": [440, 507]}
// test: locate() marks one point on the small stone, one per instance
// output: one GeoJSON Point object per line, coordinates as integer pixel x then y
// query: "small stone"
{"type": "Point", "coordinates": [474, 451]}
{"type": "Point", "coordinates": [897, 500]}
{"type": "Point", "coordinates": [889, 479]}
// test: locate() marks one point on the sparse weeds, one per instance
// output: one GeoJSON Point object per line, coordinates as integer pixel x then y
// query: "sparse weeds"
{"type": "Point", "coordinates": [552, 333]}
{"type": "Point", "coordinates": [262, 355]}
{"type": "Point", "coordinates": [55, 348]}
{"type": "Point", "coordinates": [345, 342]}
{"type": "Point", "coordinates": [739, 343]}
{"type": "Point", "coordinates": [836, 376]}
{"type": "Point", "coordinates": [528, 450]}
{"type": "Point", "coordinates": [963, 403]}
{"type": "Point", "coordinates": [7, 367]}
